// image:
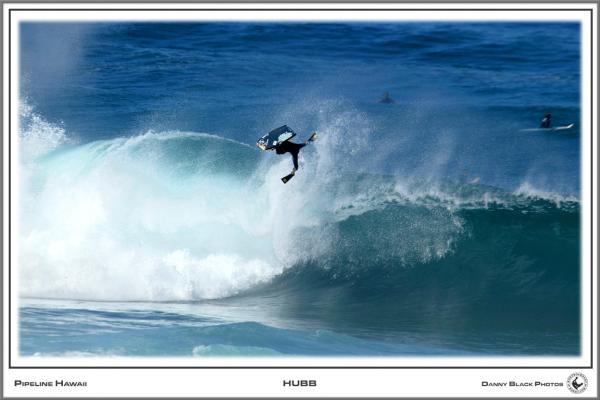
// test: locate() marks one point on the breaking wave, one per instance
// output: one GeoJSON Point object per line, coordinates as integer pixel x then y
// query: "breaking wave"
{"type": "Point", "coordinates": [189, 216]}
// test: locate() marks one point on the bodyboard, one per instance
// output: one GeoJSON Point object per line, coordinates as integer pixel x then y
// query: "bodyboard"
{"type": "Point", "coordinates": [275, 137]}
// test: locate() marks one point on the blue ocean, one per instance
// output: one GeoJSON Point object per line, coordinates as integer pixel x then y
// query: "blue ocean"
{"type": "Point", "coordinates": [431, 224]}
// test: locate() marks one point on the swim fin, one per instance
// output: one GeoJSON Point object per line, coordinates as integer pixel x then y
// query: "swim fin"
{"type": "Point", "coordinates": [286, 178]}
{"type": "Point", "coordinates": [312, 137]}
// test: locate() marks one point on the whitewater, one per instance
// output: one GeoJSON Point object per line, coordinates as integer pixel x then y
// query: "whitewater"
{"type": "Point", "coordinates": [183, 215]}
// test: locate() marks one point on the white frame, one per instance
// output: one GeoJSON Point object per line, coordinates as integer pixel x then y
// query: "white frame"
{"type": "Point", "coordinates": [455, 378]}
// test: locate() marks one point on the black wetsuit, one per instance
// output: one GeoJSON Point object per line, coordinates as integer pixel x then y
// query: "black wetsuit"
{"type": "Point", "coordinates": [546, 121]}
{"type": "Point", "coordinates": [292, 148]}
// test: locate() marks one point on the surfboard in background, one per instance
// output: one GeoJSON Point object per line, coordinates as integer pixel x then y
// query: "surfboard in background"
{"type": "Point", "coordinates": [557, 128]}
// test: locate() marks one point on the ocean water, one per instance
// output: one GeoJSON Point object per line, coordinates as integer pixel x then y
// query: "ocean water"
{"type": "Point", "coordinates": [150, 224]}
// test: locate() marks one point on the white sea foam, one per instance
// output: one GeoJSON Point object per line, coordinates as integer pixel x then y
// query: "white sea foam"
{"type": "Point", "coordinates": [119, 220]}
{"type": "Point", "coordinates": [133, 219]}
{"type": "Point", "coordinates": [107, 221]}
{"type": "Point", "coordinates": [530, 191]}
{"type": "Point", "coordinates": [37, 135]}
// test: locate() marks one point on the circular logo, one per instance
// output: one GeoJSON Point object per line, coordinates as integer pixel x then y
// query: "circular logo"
{"type": "Point", "coordinates": [577, 383]}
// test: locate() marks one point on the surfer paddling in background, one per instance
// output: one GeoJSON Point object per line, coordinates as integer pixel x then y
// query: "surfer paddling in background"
{"type": "Point", "coordinates": [386, 99]}
{"type": "Point", "coordinates": [279, 139]}
{"type": "Point", "coordinates": [546, 125]}
{"type": "Point", "coordinates": [546, 121]}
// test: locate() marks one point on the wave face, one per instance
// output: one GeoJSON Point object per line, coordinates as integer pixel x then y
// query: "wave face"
{"type": "Point", "coordinates": [500, 269]}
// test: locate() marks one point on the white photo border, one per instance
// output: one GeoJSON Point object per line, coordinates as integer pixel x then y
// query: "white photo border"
{"type": "Point", "coordinates": [379, 367]}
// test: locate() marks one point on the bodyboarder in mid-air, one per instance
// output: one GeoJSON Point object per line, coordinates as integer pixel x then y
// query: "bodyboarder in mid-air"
{"type": "Point", "coordinates": [279, 139]}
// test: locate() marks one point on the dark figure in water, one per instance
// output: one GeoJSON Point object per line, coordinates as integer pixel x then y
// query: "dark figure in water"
{"type": "Point", "coordinates": [546, 121]}
{"type": "Point", "coordinates": [386, 98]}
{"type": "Point", "coordinates": [293, 149]}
